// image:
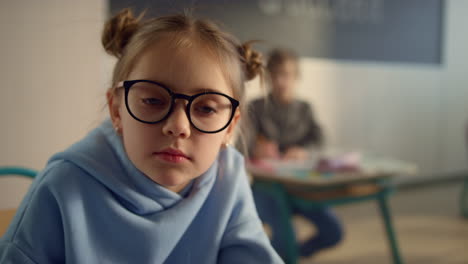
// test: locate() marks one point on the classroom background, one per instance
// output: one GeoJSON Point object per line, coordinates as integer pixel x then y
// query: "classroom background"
{"type": "Point", "coordinates": [404, 97]}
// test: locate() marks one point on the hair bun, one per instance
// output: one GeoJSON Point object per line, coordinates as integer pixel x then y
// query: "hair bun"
{"type": "Point", "coordinates": [252, 60]}
{"type": "Point", "coordinates": [118, 30]}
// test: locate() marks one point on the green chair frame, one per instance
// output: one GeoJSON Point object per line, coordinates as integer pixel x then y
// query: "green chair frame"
{"type": "Point", "coordinates": [464, 191]}
{"type": "Point", "coordinates": [464, 199]}
{"type": "Point", "coordinates": [17, 170]}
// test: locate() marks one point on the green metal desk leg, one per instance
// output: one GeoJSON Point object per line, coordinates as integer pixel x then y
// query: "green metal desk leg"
{"type": "Point", "coordinates": [464, 199]}
{"type": "Point", "coordinates": [385, 210]}
{"type": "Point", "coordinates": [284, 214]}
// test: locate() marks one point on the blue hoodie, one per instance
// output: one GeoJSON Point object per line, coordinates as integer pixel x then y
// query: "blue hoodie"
{"type": "Point", "coordinates": [92, 205]}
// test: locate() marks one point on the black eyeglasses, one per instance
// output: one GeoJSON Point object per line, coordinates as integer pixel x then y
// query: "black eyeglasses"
{"type": "Point", "coordinates": [151, 102]}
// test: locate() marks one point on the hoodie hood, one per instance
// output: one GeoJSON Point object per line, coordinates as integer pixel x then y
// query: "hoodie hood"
{"type": "Point", "coordinates": [101, 155]}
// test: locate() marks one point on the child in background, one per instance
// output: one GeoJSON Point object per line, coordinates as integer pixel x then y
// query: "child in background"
{"type": "Point", "coordinates": [285, 128]}
{"type": "Point", "coordinates": [158, 181]}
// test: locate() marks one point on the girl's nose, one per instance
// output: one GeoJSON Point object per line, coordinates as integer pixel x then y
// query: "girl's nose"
{"type": "Point", "coordinates": [177, 124]}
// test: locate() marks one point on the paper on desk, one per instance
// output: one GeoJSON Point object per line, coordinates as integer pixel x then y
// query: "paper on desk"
{"type": "Point", "coordinates": [286, 168]}
{"type": "Point", "coordinates": [342, 164]}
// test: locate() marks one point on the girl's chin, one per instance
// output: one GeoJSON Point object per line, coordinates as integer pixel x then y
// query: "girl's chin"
{"type": "Point", "coordinates": [173, 183]}
{"type": "Point", "coordinates": [176, 188]}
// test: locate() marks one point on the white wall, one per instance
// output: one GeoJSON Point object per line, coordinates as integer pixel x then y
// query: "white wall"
{"type": "Point", "coordinates": [52, 76]}
{"type": "Point", "coordinates": [454, 90]}
{"type": "Point", "coordinates": [413, 112]}
{"type": "Point", "coordinates": [385, 109]}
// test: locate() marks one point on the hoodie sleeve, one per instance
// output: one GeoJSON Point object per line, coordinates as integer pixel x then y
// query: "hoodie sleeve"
{"type": "Point", "coordinates": [247, 243]}
{"type": "Point", "coordinates": [245, 240]}
{"type": "Point", "coordinates": [11, 254]}
{"type": "Point", "coordinates": [36, 232]}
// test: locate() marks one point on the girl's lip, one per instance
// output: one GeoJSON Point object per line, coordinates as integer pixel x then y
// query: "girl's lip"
{"type": "Point", "coordinates": [172, 153]}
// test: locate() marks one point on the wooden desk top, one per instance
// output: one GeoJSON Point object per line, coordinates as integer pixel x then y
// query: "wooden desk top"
{"type": "Point", "coordinates": [6, 215]}
{"type": "Point", "coordinates": [316, 181]}
{"type": "Point", "coordinates": [369, 174]}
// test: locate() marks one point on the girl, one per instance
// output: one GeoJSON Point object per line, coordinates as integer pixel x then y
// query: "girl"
{"type": "Point", "coordinates": [158, 181]}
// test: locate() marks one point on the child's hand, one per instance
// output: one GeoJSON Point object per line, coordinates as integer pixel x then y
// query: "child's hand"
{"type": "Point", "coordinates": [266, 149]}
{"type": "Point", "coordinates": [295, 153]}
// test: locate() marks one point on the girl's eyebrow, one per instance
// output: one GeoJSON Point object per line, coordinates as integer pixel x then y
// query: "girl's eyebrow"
{"type": "Point", "coordinates": [196, 91]}
{"type": "Point", "coordinates": [204, 90]}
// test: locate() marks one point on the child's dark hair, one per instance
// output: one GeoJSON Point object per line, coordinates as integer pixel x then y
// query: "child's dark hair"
{"type": "Point", "coordinates": [279, 56]}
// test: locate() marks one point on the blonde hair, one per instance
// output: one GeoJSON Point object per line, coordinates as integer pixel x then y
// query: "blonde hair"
{"type": "Point", "coordinates": [126, 37]}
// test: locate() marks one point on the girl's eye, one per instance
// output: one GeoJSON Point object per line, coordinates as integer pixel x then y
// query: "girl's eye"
{"type": "Point", "coordinates": [205, 109]}
{"type": "Point", "coordinates": [152, 101]}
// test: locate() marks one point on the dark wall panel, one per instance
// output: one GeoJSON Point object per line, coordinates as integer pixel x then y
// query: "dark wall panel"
{"type": "Point", "coordinates": [369, 30]}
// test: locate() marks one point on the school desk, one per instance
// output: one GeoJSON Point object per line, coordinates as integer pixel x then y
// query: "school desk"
{"type": "Point", "coordinates": [306, 190]}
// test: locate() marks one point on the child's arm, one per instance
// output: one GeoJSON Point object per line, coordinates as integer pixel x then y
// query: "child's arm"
{"type": "Point", "coordinates": [247, 243]}
{"type": "Point", "coordinates": [265, 149]}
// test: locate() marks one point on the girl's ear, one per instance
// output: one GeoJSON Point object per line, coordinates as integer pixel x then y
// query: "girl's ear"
{"type": "Point", "coordinates": [114, 109]}
{"type": "Point", "coordinates": [232, 127]}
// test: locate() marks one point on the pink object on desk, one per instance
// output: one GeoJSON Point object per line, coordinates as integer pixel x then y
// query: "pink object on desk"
{"type": "Point", "coordinates": [326, 166]}
{"type": "Point", "coordinates": [349, 162]}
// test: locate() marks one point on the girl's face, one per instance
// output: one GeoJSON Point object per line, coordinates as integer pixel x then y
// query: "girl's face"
{"type": "Point", "coordinates": [173, 152]}
{"type": "Point", "coordinates": [283, 80]}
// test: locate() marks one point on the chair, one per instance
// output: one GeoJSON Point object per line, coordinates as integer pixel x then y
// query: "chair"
{"type": "Point", "coordinates": [7, 215]}
{"type": "Point", "coordinates": [464, 192]}
{"type": "Point", "coordinates": [464, 199]}
{"type": "Point", "coordinates": [16, 170]}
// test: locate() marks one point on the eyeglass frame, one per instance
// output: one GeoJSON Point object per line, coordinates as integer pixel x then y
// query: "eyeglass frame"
{"type": "Point", "coordinates": [129, 83]}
